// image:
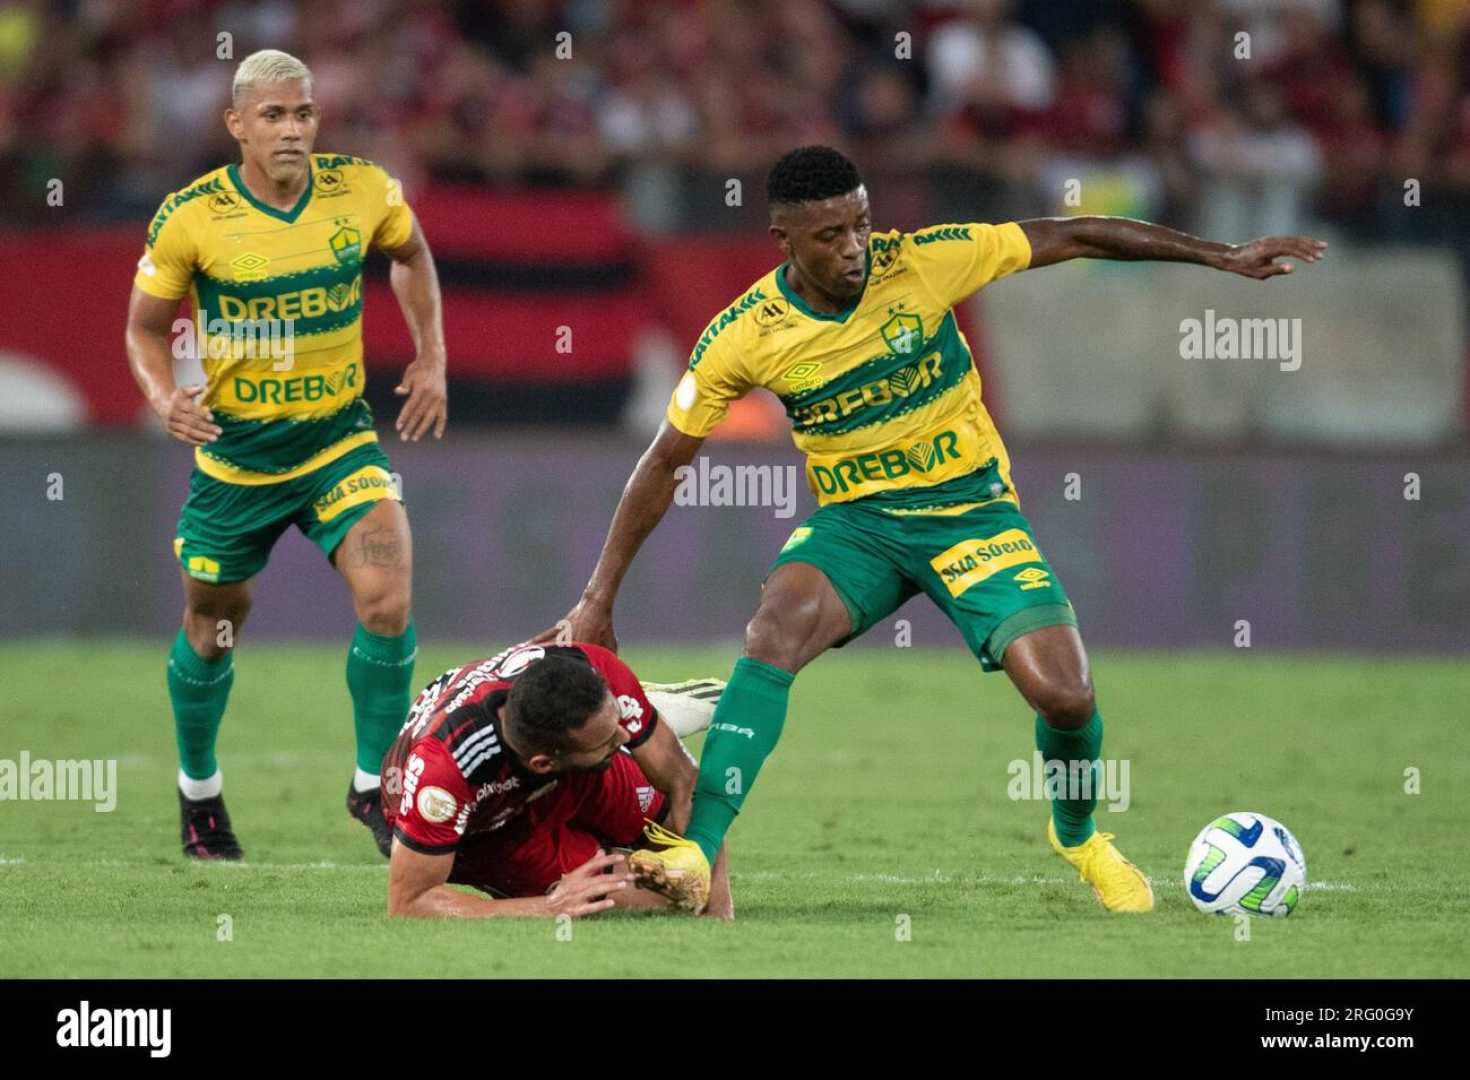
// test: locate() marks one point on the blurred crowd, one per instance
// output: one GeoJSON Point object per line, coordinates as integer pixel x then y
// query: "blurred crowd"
{"type": "Point", "coordinates": [1228, 116]}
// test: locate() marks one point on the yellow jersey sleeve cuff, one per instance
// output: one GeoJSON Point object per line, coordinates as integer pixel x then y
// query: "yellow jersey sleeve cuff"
{"type": "Point", "coordinates": [685, 425]}
{"type": "Point", "coordinates": [154, 287]}
{"type": "Point", "coordinates": [1014, 238]}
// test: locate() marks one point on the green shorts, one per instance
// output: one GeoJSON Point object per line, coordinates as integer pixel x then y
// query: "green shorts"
{"type": "Point", "coordinates": [226, 531]}
{"type": "Point", "coordinates": [982, 567]}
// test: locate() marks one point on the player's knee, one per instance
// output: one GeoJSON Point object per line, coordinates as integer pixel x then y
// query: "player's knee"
{"type": "Point", "coordinates": [384, 611]}
{"type": "Point", "coordinates": [779, 636]}
{"type": "Point", "coordinates": [1066, 705]}
{"type": "Point", "coordinates": [214, 628]}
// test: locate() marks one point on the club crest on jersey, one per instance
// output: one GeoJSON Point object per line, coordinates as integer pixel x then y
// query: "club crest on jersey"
{"type": "Point", "coordinates": [346, 245]}
{"type": "Point", "coordinates": [904, 333]}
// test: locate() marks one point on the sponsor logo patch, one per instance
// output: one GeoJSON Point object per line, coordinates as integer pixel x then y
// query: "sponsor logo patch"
{"type": "Point", "coordinates": [1033, 577]}
{"type": "Point", "coordinates": [368, 484]}
{"type": "Point", "coordinates": [249, 266]}
{"type": "Point", "coordinates": [906, 381]}
{"type": "Point", "coordinates": [972, 561]}
{"type": "Point", "coordinates": [437, 805]}
{"type": "Point", "coordinates": [632, 713]}
{"type": "Point", "coordinates": [772, 312]}
{"type": "Point", "coordinates": [802, 376]}
{"type": "Point", "coordinates": [894, 463]}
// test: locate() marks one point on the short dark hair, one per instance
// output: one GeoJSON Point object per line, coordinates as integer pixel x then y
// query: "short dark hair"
{"type": "Point", "coordinates": [553, 697]}
{"type": "Point", "coordinates": [810, 174]}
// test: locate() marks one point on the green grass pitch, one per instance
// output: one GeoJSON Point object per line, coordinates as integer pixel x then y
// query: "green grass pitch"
{"type": "Point", "coordinates": [885, 807]}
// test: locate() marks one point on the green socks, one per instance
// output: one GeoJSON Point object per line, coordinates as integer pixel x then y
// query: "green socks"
{"type": "Point", "coordinates": [379, 677]}
{"type": "Point", "coordinates": [742, 734]}
{"type": "Point", "coordinates": [1073, 816]}
{"type": "Point", "coordinates": [198, 690]}
{"type": "Point", "coordinates": [380, 680]}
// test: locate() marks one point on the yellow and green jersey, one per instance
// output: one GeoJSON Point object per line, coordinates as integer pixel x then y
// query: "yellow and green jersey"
{"type": "Point", "coordinates": [277, 297]}
{"type": "Point", "coordinates": [883, 398]}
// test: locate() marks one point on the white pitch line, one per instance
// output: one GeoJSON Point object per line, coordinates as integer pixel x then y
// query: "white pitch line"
{"type": "Point", "coordinates": [935, 877]}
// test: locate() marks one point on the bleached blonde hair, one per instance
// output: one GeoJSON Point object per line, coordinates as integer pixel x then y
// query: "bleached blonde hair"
{"type": "Point", "coordinates": [267, 66]}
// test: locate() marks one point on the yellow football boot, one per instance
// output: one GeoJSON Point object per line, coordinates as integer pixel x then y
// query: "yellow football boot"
{"type": "Point", "coordinates": [1116, 882]}
{"type": "Point", "coordinates": [674, 867]}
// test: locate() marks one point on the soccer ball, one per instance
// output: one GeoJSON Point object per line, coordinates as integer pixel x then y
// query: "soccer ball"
{"type": "Point", "coordinates": [1245, 864]}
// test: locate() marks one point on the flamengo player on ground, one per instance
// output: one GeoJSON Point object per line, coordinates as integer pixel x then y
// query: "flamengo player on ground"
{"type": "Point", "coordinates": [270, 253]}
{"type": "Point", "coordinates": [855, 333]}
{"type": "Point", "coordinates": [516, 773]}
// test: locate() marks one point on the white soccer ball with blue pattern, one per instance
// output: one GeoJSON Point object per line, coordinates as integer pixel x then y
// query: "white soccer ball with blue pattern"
{"type": "Point", "coordinates": [1245, 864]}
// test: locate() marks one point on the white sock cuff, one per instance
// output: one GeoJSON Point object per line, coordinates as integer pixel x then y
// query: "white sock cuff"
{"type": "Point", "coordinates": [207, 788]}
{"type": "Point", "coordinates": [362, 780]}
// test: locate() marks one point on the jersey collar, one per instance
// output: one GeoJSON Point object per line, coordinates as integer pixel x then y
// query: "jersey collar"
{"type": "Point", "coordinates": [287, 216]}
{"type": "Point", "coordinates": [827, 316]}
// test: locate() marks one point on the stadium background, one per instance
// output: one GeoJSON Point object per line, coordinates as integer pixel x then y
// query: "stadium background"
{"type": "Point", "coordinates": [594, 192]}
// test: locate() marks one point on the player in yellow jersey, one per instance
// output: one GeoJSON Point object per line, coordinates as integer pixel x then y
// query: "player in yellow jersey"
{"type": "Point", "coordinates": [855, 333]}
{"type": "Point", "coordinates": [270, 253]}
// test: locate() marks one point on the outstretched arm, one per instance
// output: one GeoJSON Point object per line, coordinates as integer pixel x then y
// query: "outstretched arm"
{"type": "Point", "coordinates": [646, 497]}
{"type": "Point", "coordinates": [1055, 240]}
{"type": "Point", "coordinates": [417, 888]}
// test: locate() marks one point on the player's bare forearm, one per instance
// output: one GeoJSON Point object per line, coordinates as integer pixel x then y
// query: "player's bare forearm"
{"type": "Point", "coordinates": [150, 320]}
{"type": "Point", "coordinates": [415, 283]}
{"type": "Point", "coordinates": [671, 770]}
{"type": "Point", "coordinates": [1055, 240]}
{"type": "Point", "coordinates": [646, 497]}
{"type": "Point", "coordinates": [417, 888]}
{"type": "Point", "coordinates": [150, 358]}
{"type": "Point", "coordinates": [645, 500]}
{"type": "Point", "coordinates": [442, 902]}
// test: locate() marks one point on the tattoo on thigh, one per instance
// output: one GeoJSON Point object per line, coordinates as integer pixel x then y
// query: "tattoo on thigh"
{"type": "Point", "coordinates": [381, 547]}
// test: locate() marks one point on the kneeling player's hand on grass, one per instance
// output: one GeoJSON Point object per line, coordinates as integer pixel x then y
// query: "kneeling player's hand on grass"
{"type": "Point", "coordinates": [585, 890]}
{"type": "Point", "coordinates": [1257, 259]}
{"type": "Point", "coordinates": [587, 622]}
{"type": "Point", "coordinates": [186, 419]}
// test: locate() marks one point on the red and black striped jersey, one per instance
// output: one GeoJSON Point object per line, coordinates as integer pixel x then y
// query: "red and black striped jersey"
{"type": "Point", "coordinates": [449, 772]}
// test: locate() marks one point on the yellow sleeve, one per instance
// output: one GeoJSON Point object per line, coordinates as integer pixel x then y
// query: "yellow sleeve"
{"type": "Point", "coordinates": [956, 260]}
{"type": "Point", "coordinates": [395, 225]}
{"type": "Point", "coordinates": [716, 377]}
{"type": "Point", "coordinates": [167, 266]}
